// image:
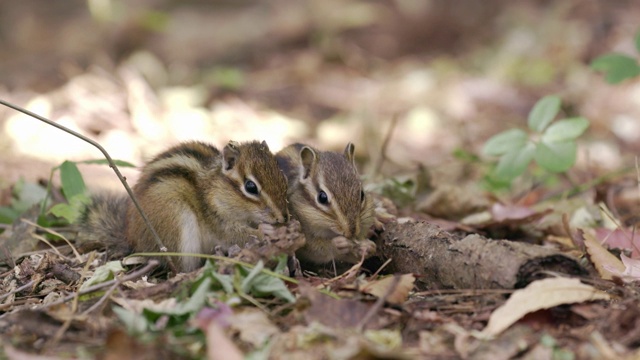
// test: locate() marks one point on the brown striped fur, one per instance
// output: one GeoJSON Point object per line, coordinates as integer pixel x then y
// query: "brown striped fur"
{"type": "Point", "coordinates": [349, 213]}
{"type": "Point", "coordinates": [194, 196]}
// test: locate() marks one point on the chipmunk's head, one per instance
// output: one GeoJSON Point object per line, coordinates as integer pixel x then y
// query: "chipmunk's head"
{"type": "Point", "coordinates": [326, 194]}
{"type": "Point", "coordinates": [257, 188]}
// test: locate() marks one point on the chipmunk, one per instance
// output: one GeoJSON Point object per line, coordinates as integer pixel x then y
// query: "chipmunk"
{"type": "Point", "coordinates": [197, 198]}
{"type": "Point", "coordinates": [325, 194]}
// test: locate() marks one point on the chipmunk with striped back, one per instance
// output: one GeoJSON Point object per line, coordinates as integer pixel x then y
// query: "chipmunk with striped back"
{"type": "Point", "coordinates": [325, 194]}
{"type": "Point", "coordinates": [197, 198]}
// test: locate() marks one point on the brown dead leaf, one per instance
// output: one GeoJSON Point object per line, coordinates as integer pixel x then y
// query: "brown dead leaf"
{"type": "Point", "coordinates": [122, 346]}
{"type": "Point", "coordinates": [453, 201]}
{"type": "Point", "coordinates": [606, 263]}
{"type": "Point", "coordinates": [382, 287]}
{"type": "Point", "coordinates": [335, 313]}
{"type": "Point", "coordinates": [540, 294]}
{"type": "Point", "coordinates": [253, 326]}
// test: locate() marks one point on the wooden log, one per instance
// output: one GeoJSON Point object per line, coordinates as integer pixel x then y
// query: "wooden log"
{"type": "Point", "coordinates": [443, 261]}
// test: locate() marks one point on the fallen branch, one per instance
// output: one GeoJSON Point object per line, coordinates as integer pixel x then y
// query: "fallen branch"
{"type": "Point", "coordinates": [443, 261]}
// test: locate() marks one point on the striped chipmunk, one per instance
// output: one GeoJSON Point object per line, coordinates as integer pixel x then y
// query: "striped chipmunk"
{"type": "Point", "coordinates": [325, 194]}
{"type": "Point", "coordinates": [198, 199]}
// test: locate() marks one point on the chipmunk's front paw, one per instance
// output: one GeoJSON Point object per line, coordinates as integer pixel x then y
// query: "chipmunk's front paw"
{"type": "Point", "coordinates": [342, 245]}
{"type": "Point", "coordinates": [365, 248]}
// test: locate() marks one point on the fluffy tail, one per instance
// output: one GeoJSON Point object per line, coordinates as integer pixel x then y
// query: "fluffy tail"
{"type": "Point", "coordinates": [104, 224]}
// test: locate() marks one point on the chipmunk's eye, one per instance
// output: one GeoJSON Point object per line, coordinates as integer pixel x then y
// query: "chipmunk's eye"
{"type": "Point", "coordinates": [251, 187]}
{"type": "Point", "coordinates": [323, 198]}
{"type": "Point", "coordinates": [361, 196]}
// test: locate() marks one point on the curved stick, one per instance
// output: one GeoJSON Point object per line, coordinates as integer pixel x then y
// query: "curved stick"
{"type": "Point", "coordinates": [111, 165]}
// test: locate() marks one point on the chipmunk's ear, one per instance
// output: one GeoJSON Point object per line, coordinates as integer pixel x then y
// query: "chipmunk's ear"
{"type": "Point", "coordinates": [264, 143]}
{"type": "Point", "coordinates": [308, 162]}
{"type": "Point", "coordinates": [349, 153]}
{"type": "Point", "coordinates": [230, 155]}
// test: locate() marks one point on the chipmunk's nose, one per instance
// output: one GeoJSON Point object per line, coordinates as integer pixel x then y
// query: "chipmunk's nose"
{"type": "Point", "coordinates": [281, 218]}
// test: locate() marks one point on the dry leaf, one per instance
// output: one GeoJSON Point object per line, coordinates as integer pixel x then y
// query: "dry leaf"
{"type": "Point", "coordinates": [398, 295]}
{"type": "Point", "coordinates": [538, 295]}
{"type": "Point", "coordinates": [253, 326]}
{"type": "Point", "coordinates": [619, 238]}
{"type": "Point", "coordinates": [631, 271]}
{"type": "Point", "coordinates": [606, 263]}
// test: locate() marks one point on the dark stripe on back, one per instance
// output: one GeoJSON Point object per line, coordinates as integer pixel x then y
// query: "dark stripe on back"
{"type": "Point", "coordinates": [179, 172]}
{"type": "Point", "coordinates": [173, 171]}
{"type": "Point", "coordinates": [201, 152]}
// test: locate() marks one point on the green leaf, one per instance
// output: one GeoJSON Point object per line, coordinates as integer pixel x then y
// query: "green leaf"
{"type": "Point", "coordinates": [260, 284]}
{"type": "Point", "coordinates": [282, 264]}
{"type": "Point", "coordinates": [556, 156]}
{"type": "Point", "coordinates": [617, 67]}
{"type": "Point", "coordinates": [513, 164]}
{"type": "Point", "coordinates": [182, 310]}
{"type": "Point", "coordinates": [224, 281]}
{"type": "Point", "coordinates": [103, 273]}
{"type": "Point", "coordinates": [637, 41]}
{"type": "Point", "coordinates": [135, 323]}
{"type": "Point", "coordinates": [8, 215]}
{"type": "Point", "coordinates": [565, 129]}
{"type": "Point", "coordinates": [64, 211]}
{"type": "Point", "coordinates": [26, 195]}
{"type": "Point", "coordinates": [505, 142]}
{"type": "Point", "coordinates": [120, 163]}
{"type": "Point", "coordinates": [543, 112]}
{"type": "Point", "coordinates": [72, 182]}
{"type": "Point", "coordinates": [196, 301]}
{"type": "Point", "coordinates": [73, 210]}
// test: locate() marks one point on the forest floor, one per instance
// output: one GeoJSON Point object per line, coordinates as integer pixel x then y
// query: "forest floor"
{"type": "Point", "coordinates": [543, 269]}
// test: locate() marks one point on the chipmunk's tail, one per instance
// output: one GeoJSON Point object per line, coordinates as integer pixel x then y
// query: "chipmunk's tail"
{"type": "Point", "coordinates": [104, 224]}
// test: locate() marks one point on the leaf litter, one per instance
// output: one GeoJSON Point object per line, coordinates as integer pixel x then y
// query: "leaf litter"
{"type": "Point", "coordinates": [229, 309]}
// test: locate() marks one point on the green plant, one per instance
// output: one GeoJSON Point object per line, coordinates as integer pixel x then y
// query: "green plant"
{"type": "Point", "coordinates": [176, 321]}
{"type": "Point", "coordinates": [74, 189]}
{"type": "Point", "coordinates": [618, 67]}
{"type": "Point", "coordinates": [552, 145]}
{"type": "Point", "coordinates": [25, 195]}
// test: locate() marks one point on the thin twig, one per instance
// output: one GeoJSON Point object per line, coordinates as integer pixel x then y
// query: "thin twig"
{"type": "Point", "coordinates": [4, 296]}
{"type": "Point", "coordinates": [103, 299]}
{"type": "Point", "coordinates": [152, 264]}
{"type": "Point", "coordinates": [381, 267]}
{"type": "Point", "coordinates": [378, 304]}
{"type": "Point", "coordinates": [385, 143]}
{"type": "Point", "coordinates": [111, 164]}
{"type": "Point", "coordinates": [44, 240]}
{"type": "Point", "coordinates": [55, 233]}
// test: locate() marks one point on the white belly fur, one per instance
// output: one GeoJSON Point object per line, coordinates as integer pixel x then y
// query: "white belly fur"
{"type": "Point", "coordinates": [190, 240]}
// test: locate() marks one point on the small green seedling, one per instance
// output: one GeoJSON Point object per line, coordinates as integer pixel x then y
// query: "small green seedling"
{"type": "Point", "coordinates": [74, 188]}
{"type": "Point", "coordinates": [25, 195]}
{"type": "Point", "coordinates": [618, 67]}
{"type": "Point", "coordinates": [552, 145]}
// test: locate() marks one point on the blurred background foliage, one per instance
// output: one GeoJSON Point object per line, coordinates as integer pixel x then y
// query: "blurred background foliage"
{"type": "Point", "coordinates": [139, 76]}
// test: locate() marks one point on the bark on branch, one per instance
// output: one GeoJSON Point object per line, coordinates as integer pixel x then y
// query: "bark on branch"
{"type": "Point", "coordinates": [474, 262]}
